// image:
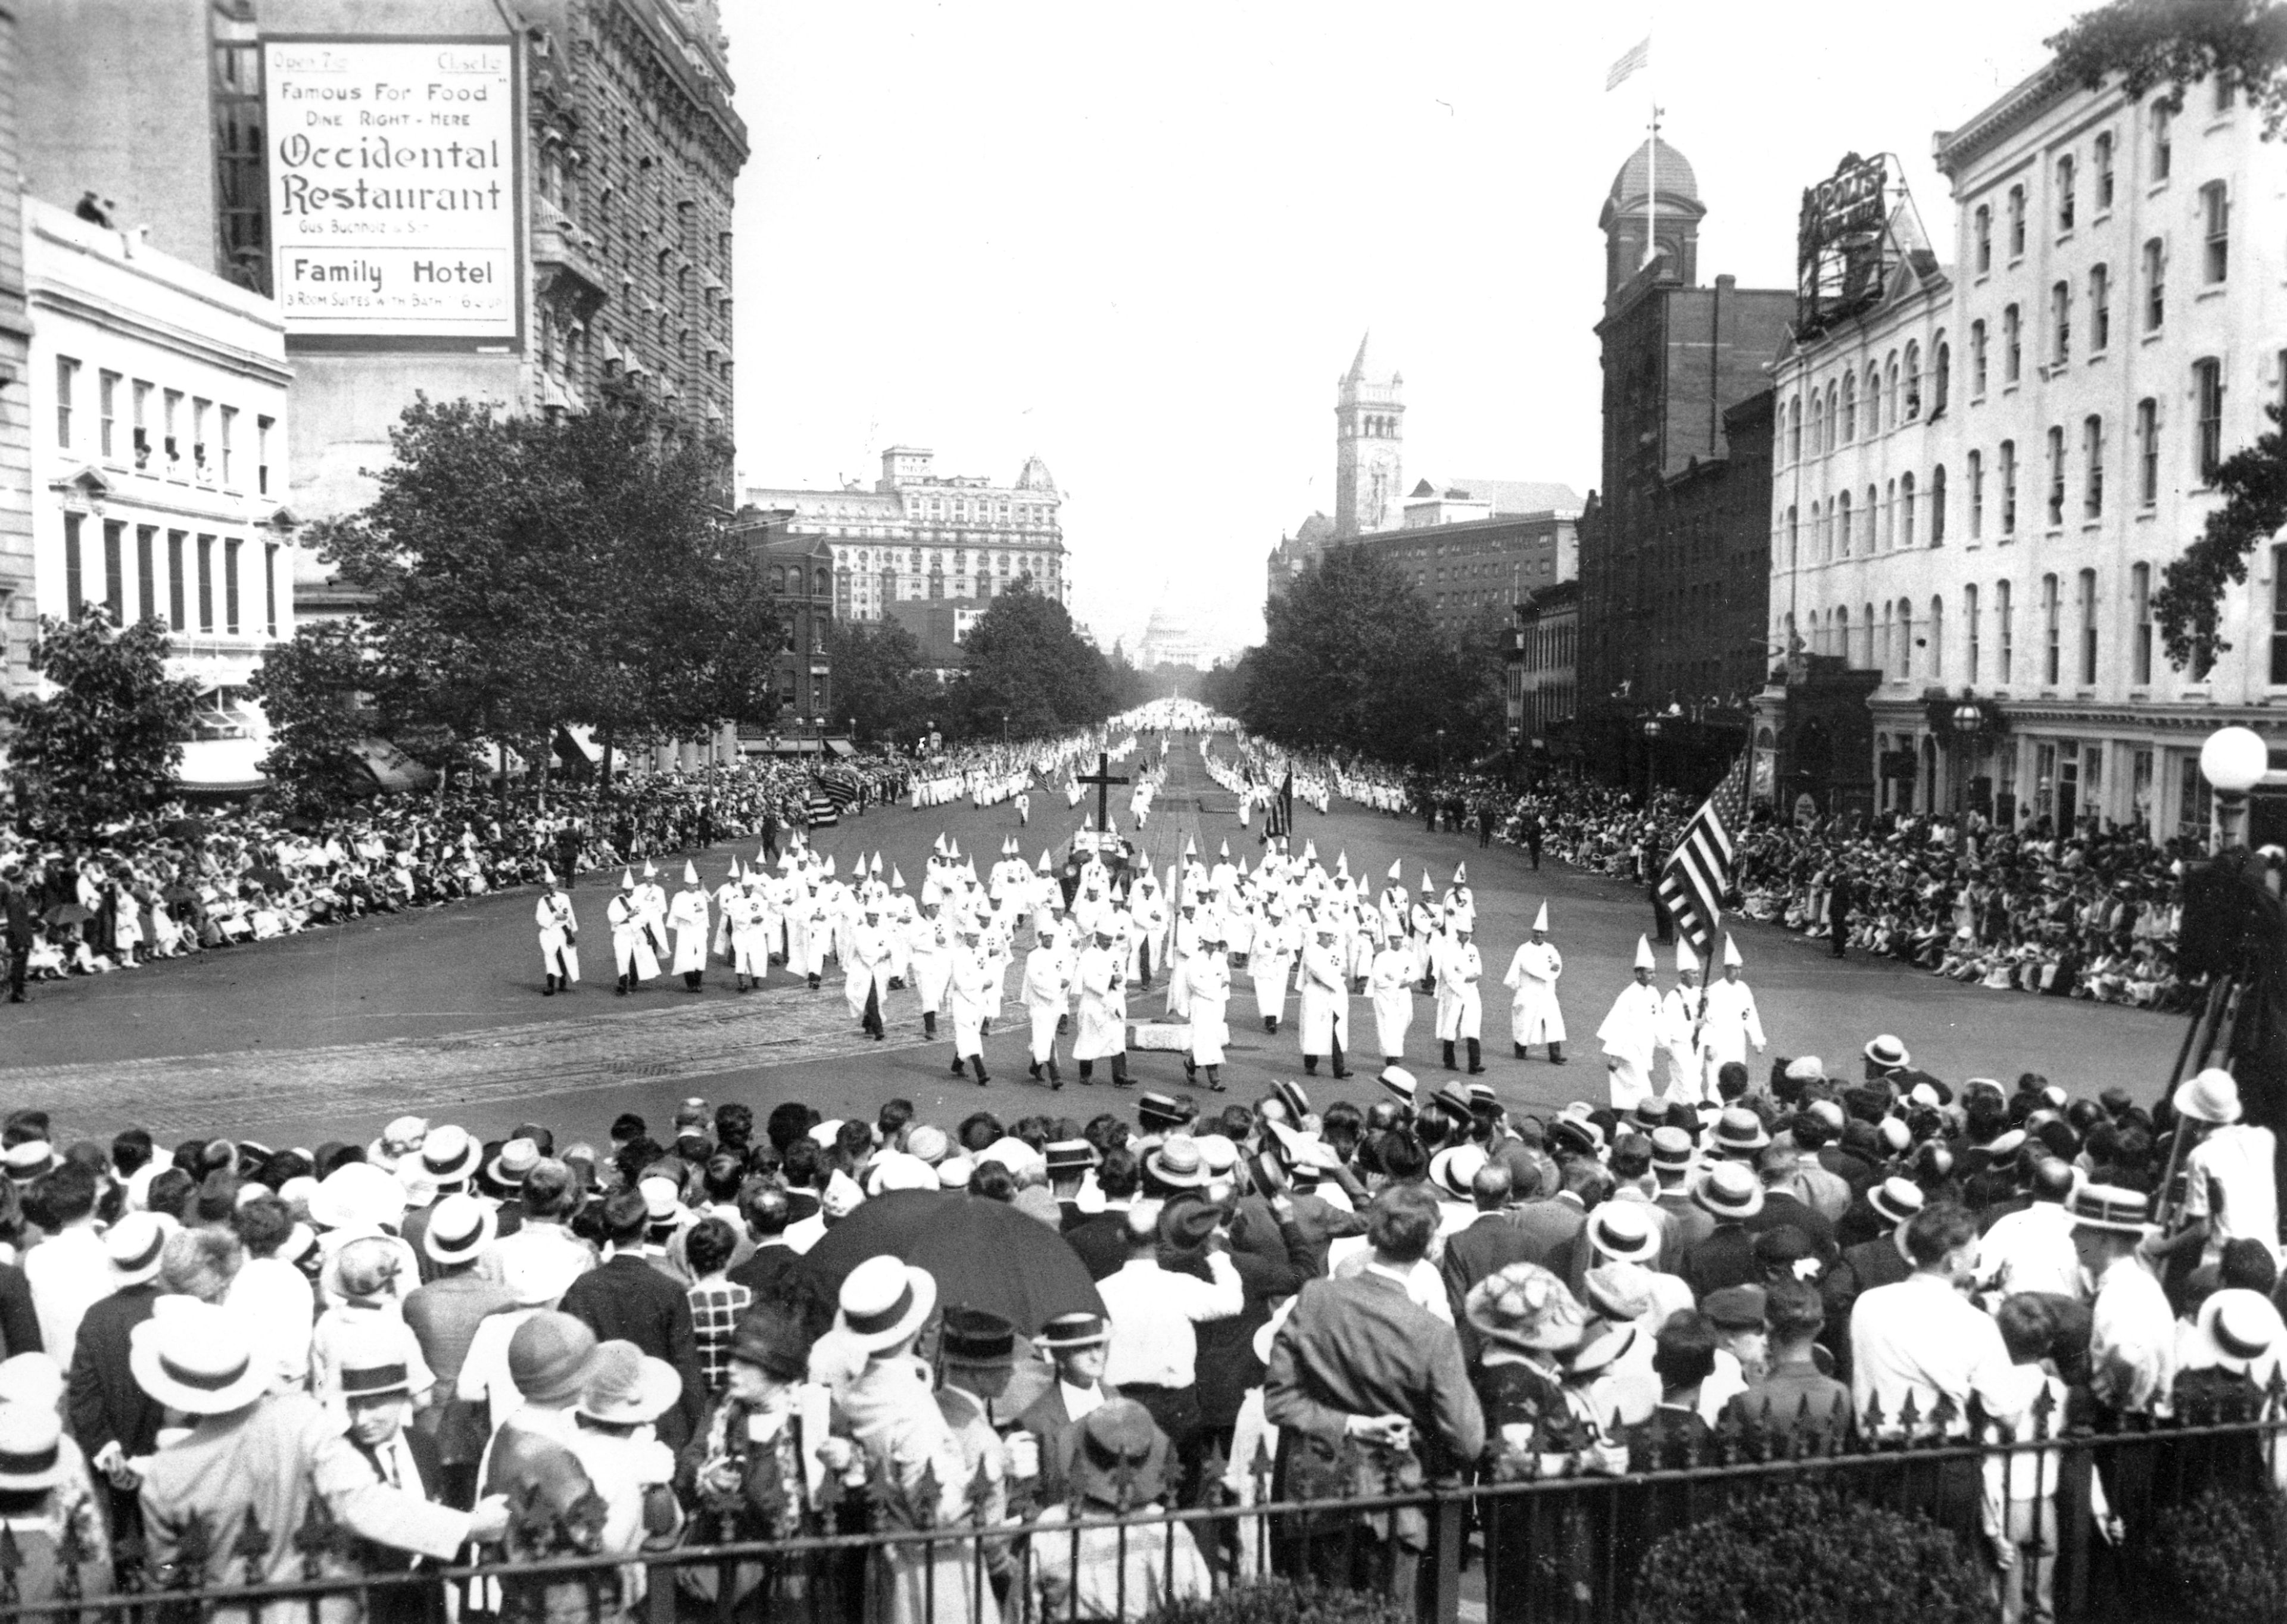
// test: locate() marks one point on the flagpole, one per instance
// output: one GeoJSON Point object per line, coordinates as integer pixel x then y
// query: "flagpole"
{"type": "Point", "coordinates": [1652, 175]}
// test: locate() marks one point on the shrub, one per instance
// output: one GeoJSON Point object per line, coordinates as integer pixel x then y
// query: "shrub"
{"type": "Point", "coordinates": [1282, 1601]}
{"type": "Point", "coordinates": [2221, 1559]}
{"type": "Point", "coordinates": [1797, 1555]}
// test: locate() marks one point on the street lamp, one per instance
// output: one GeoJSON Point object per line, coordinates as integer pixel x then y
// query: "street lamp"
{"type": "Point", "coordinates": [1651, 731]}
{"type": "Point", "coordinates": [2234, 761]}
{"type": "Point", "coordinates": [1441, 752]}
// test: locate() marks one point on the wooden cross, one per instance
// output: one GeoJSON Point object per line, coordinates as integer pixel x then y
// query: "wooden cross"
{"type": "Point", "coordinates": [1104, 779]}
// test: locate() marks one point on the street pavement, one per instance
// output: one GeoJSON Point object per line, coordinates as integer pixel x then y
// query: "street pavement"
{"type": "Point", "coordinates": [329, 1033]}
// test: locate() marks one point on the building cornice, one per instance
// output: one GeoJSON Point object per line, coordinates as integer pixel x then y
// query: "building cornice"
{"type": "Point", "coordinates": [1950, 149]}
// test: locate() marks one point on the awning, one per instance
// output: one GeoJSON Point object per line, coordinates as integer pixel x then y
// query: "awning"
{"type": "Point", "coordinates": [576, 741]}
{"type": "Point", "coordinates": [222, 764]}
{"type": "Point", "coordinates": [390, 767]}
{"type": "Point", "coordinates": [842, 746]}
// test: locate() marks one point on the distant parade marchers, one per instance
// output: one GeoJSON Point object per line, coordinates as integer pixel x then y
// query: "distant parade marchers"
{"type": "Point", "coordinates": [1101, 927]}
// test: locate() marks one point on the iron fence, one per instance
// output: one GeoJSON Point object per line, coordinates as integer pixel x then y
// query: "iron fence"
{"type": "Point", "coordinates": [1532, 1537]}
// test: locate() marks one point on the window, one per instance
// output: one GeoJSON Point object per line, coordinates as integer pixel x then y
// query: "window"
{"type": "Point", "coordinates": [2207, 388]}
{"type": "Point", "coordinates": [230, 586]}
{"type": "Point", "coordinates": [2103, 160]}
{"type": "Point", "coordinates": [146, 588]}
{"type": "Point", "coordinates": [2100, 309]}
{"type": "Point", "coordinates": [1969, 629]}
{"type": "Point", "coordinates": [206, 584]}
{"type": "Point", "coordinates": [1890, 412]}
{"type": "Point", "coordinates": [2092, 451]}
{"type": "Point", "coordinates": [1976, 359]}
{"type": "Point", "coordinates": [1795, 429]}
{"type": "Point", "coordinates": [2012, 350]}
{"type": "Point", "coordinates": [2056, 477]}
{"type": "Point", "coordinates": [1914, 382]}
{"type": "Point", "coordinates": [1881, 532]}
{"type": "Point", "coordinates": [2224, 86]}
{"type": "Point", "coordinates": [1941, 365]}
{"type": "Point", "coordinates": [1842, 522]}
{"type": "Point", "coordinates": [66, 379]}
{"type": "Point", "coordinates": [2061, 322]}
{"type": "Point", "coordinates": [114, 573]}
{"type": "Point", "coordinates": [2164, 150]}
{"type": "Point", "coordinates": [229, 430]}
{"type": "Point", "coordinates": [1905, 643]}
{"type": "Point", "coordinates": [74, 583]}
{"type": "Point", "coordinates": [2087, 628]}
{"type": "Point", "coordinates": [1976, 465]}
{"type": "Point", "coordinates": [2065, 193]}
{"type": "Point", "coordinates": [2148, 452]}
{"type": "Point", "coordinates": [2007, 473]}
{"type": "Point", "coordinates": [171, 408]}
{"type": "Point", "coordinates": [1937, 505]}
{"type": "Point", "coordinates": [2016, 222]}
{"type": "Point", "coordinates": [2139, 649]}
{"type": "Point", "coordinates": [2278, 617]}
{"type": "Point", "coordinates": [2052, 632]}
{"type": "Point", "coordinates": [1817, 423]}
{"type": "Point", "coordinates": [1795, 537]}
{"type": "Point", "coordinates": [1904, 536]}
{"type": "Point", "coordinates": [1873, 400]}
{"type": "Point", "coordinates": [200, 410]}
{"type": "Point", "coordinates": [1935, 663]}
{"type": "Point", "coordinates": [2215, 231]}
{"type": "Point", "coordinates": [142, 423]}
{"type": "Point", "coordinates": [1849, 407]}
{"type": "Point", "coordinates": [2004, 633]}
{"type": "Point", "coordinates": [1983, 232]}
{"type": "Point", "coordinates": [175, 540]}
{"type": "Point", "coordinates": [107, 405]}
{"type": "Point", "coordinates": [2156, 284]}
{"type": "Point", "coordinates": [270, 589]}
{"type": "Point", "coordinates": [1833, 417]}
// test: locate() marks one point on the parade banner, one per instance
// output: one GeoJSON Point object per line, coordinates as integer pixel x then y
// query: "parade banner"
{"type": "Point", "coordinates": [393, 171]}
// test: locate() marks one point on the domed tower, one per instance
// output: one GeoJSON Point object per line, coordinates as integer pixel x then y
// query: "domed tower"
{"type": "Point", "coordinates": [1369, 447]}
{"type": "Point", "coordinates": [1655, 190]}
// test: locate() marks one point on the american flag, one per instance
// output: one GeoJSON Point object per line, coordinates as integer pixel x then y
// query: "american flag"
{"type": "Point", "coordinates": [1697, 877]}
{"type": "Point", "coordinates": [837, 788]}
{"type": "Point", "coordinates": [1636, 56]}
{"type": "Point", "coordinates": [1279, 822]}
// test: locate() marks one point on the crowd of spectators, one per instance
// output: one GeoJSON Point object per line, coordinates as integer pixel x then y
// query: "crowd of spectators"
{"type": "Point", "coordinates": [517, 1347]}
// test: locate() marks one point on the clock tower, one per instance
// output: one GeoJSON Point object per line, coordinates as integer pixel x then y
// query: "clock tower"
{"type": "Point", "coordinates": [1369, 448]}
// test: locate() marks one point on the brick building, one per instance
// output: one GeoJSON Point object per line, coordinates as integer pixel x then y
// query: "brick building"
{"type": "Point", "coordinates": [798, 570]}
{"type": "Point", "coordinates": [1658, 545]}
{"type": "Point", "coordinates": [1544, 686]}
{"type": "Point", "coordinates": [920, 534]}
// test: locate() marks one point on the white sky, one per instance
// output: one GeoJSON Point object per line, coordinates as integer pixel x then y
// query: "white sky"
{"type": "Point", "coordinates": [1143, 243]}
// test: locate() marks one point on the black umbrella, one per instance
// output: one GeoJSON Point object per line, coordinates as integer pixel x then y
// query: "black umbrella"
{"type": "Point", "coordinates": [73, 914]}
{"type": "Point", "coordinates": [984, 1254]}
{"type": "Point", "coordinates": [184, 828]}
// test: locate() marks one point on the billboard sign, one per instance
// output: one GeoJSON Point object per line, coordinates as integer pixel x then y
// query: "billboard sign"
{"type": "Point", "coordinates": [393, 197]}
{"type": "Point", "coordinates": [1842, 242]}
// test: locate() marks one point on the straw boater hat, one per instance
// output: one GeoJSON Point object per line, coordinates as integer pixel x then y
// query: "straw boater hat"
{"type": "Point", "coordinates": [2235, 1327]}
{"type": "Point", "coordinates": [1898, 1200]}
{"type": "Point", "coordinates": [1453, 1167]}
{"type": "Point", "coordinates": [1622, 1232]}
{"type": "Point", "coordinates": [134, 1245]}
{"type": "Point", "coordinates": [460, 1227]}
{"type": "Point", "coordinates": [1176, 1162]}
{"type": "Point", "coordinates": [196, 1357]}
{"type": "Point", "coordinates": [1080, 1329]}
{"type": "Point", "coordinates": [1887, 1053]}
{"type": "Point", "coordinates": [1524, 1306]}
{"type": "Point", "coordinates": [1727, 1191]}
{"type": "Point", "coordinates": [883, 1301]}
{"type": "Point", "coordinates": [31, 1448]}
{"type": "Point", "coordinates": [2110, 1206]}
{"type": "Point", "coordinates": [1399, 1082]}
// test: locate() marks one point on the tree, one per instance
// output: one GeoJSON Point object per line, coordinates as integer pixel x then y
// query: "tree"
{"type": "Point", "coordinates": [2187, 607]}
{"type": "Point", "coordinates": [103, 749]}
{"type": "Point", "coordinates": [2147, 43]}
{"type": "Point", "coordinates": [314, 691]}
{"type": "Point", "coordinates": [526, 572]}
{"type": "Point", "coordinates": [1351, 660]}
{"type": "Point", "coordinates": [1025, 660]}
{"type": "Point", "coordinates": [879, 678]}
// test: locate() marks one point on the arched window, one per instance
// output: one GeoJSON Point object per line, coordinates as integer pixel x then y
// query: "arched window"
{"type": "Point", "coordinates": [1890, 408]}
{"type": "Point", "coordinates": [1969, 629]}
{"type": "Point", "coordinates": [1841, 633]}
{"type": "Point", "coordinates": [1795, 429]}
{"type": "Point", "coordinates": [1905, 645]}
{"type": "Point", "coordinates": [1942, 368]}
{"type": "Point", "coordinates": [1937, 506]}
{"type": "Point", "coordinates": [1849, 407]}
{"type": "Point", "coordinates": [1834, 417]}
{"type": "Point", "coordinates": [1934, 667]}
{"type": "Point", "coordinates": [1906, 530]}
{"type": "Point", "coordinates": [1914, 382]}
{"type": "Point", "coordinates": [1817, 423]}
{"type": "Point", "coordinates": [1866, 628]}
{"type": "Point", "coordinates": [1842, 522]}
{"type": "Point", "coordinates": [1873, 400]}
{"type": "Point", "coordinates": [1873, 537]}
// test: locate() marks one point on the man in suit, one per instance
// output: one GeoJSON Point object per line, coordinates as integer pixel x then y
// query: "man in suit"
{"type": "Point", "coordinates": [1840, 896]}
{"type": "Point", "coordinates": [1101, 1239]}
{"type": "Point", "coordinates": [767, 1213]}
{"type": "Point", "coordinates": [18, 917]}
{"type": "Point", "coordinates": [1550, 1220]}
{"type": "Point", "coordinates": [1369, 1388]}
{"type": "Point", "coordinates": [628, 1299]}
{"type": "Point", "coordinates": [1882, 1261]}
{"type": "Point", "coordinates": [1775, 1166]}
{"type": "Point", "coordinates": [1730, 1195]}
{"type": "Point", "coordinates": [1490, 1244]}
{"type": "Point", "coordinates": [1077, 1341]}
{"type": "Point", "coordinates": [112, 1419]}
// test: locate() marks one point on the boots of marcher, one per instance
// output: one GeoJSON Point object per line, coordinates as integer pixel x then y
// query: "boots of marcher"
{"type": "Point", "coordinates": [978, 1062]}
{"type": "Point", "coordinates": [1119, 1078]}
{"type": "Point", "coordinates": [1519, 1051]}
{"type": "Point", "coordinates": [1033, 1070]}
{"type": "Point", "coordinates": [1450, 1065]}
{"type": "Point", "coordinates": [1476, 1060]}
{"type": "Point", "coordinates": [929, 1023]}
{"type": "Point", "coordinates": [958, 1065]}
{"type": "Point", "coordinates": [1310, 1066]}
{"type": "Point", "coordinates": [1056, 1077]}
{"type": "Point", "coordinates": [814, 983]}
{"type": "Point", "coordinates": [1087, 1073]}
{"type": "Point", "coordinates": [1191, 1070]}
{"type": "Point", "coordinates": [1557, 1054]}
{"type": "Point", "coordinates": [690, 980]}
{"type": "Point", "coordinates": [1215, 1083]}
{"type": "Point", "coordinates": [1390, 1063]}
{"type": "Point", "coordinates": [548, 986]}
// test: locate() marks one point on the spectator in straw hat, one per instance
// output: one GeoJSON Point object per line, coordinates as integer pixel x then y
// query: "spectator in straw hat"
{"type": "Point", "coordinates": [2230, 1188]}
{"type": "Point", "coordinates": [252, 1456]}
{"type": "Point", "coordinates": [2132, 1330]}
{"type": "Point", "coordinates": [42, 1505]}
{"type": "Point", "coordinates": [445, 1316]}
{"type": "Point", "coordinates": [111, 1418]}
{"type": "Point", "coordinates": [1730, 1195]}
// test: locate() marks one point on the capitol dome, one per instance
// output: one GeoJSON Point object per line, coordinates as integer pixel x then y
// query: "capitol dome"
{"type": "Point", "coordinates": [1677, 184]}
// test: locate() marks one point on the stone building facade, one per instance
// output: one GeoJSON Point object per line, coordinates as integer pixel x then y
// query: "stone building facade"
{"type": "Point", "coordinates": [19, 607]}
{"type": "Point", "coordinates": [918, 535]}
{"type": "Point", "coordinates": [2114, 326]}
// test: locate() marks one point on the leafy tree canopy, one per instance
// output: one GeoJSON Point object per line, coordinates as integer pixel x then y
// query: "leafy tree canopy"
{"type": "Point", "coordinates": [103, 749]}
{"type": "Point", "coordinates": [1027, 661]}
{"type": "Point", "coordinates": [880, 679]}
{"type": "Point", "coordinates": [2187, 607]}
{"type": "Point", "coordinates": [313, 690]}
{"type": "Point", "coordinates": [2148, 43]}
